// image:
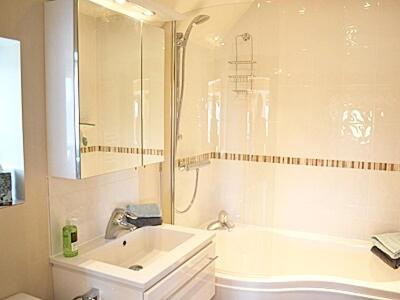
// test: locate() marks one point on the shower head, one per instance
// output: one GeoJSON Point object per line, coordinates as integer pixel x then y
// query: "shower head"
{"type": "Point", "coordinates": [200, 19]}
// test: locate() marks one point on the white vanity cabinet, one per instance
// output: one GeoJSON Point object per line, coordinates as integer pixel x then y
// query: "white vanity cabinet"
{"type": "Point", "coordinates": [179, 265]}
{"type": "Point", "coordinates": [195, 279]}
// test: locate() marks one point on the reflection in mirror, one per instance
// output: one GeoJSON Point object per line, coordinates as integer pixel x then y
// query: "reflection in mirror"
{"type": "Point", "coordinates": [11, 134]}
{"type": "Point", "coordinates": [110, 90]}
{"type": "Point", "coordinates": [153, 94]}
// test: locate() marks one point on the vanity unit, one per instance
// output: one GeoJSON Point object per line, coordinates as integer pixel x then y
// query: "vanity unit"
{"type": "Point", "coordinates": [151, 263]}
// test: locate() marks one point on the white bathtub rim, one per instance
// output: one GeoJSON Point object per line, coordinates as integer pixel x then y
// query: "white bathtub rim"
{"type": "Point", "coordinates": [303, 235]}
{"type": "Point", "coordinates": [304, 280]}
{"type": "Point", "coordinates": [382, 290]}
{"type": "Point", "coordinates": [294, 290]}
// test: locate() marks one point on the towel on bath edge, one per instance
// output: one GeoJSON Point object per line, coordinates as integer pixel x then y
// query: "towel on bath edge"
{"type": "Point", "coordinates": [389, 243]}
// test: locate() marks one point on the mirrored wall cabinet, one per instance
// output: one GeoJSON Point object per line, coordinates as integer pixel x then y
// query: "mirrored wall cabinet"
{"type": "Point", "coordinates": [105, 87]}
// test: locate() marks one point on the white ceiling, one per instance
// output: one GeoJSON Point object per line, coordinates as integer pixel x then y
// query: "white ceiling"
{"type": "Point", "coordinates": [184, 6]}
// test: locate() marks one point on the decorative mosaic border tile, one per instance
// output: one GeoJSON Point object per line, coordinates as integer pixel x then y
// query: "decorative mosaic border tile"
{"type": "Point", "coordinates": [117, 149]}
{"type": "Point", "coordinates": [315, 162]}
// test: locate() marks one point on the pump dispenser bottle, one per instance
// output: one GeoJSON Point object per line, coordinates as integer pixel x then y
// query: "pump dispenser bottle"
{"type": "Point", "coordinates": [70, 238]}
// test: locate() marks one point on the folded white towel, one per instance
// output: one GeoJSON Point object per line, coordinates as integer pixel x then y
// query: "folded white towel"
{"type": "Point", "coordinates": [389, 243]}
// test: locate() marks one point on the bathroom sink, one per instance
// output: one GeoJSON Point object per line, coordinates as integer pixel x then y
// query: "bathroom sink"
{"type": "Point", "coordinates": [141, 248]}
{"type": "Point", "coordinates": [140, 258]}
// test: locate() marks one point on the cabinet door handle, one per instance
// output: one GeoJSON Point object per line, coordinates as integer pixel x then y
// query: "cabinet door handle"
{"type": "Point", "coordinates": [210, 261]}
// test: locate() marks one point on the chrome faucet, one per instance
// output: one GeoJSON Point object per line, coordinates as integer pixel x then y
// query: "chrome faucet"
{"type": "Point", "coordinates": [117, 223]}
{"type": "Point", "coordinates": [223, 222]}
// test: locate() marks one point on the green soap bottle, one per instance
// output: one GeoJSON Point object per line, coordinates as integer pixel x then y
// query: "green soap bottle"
{"type": "Point", "coordinates": [70, 239]}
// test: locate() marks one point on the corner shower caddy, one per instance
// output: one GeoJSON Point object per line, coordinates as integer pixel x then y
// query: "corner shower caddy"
{"type": "Point", "coordinates": [245, 80]}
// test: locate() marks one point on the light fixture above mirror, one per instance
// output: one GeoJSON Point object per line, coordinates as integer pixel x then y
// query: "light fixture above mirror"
{"type": "Point", "coordinates": [142, 10]}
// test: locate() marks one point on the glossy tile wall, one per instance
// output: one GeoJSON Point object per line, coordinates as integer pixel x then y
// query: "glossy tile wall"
{"type": "Point", "coordinates": [195, 132]}
{"type": "Point", "coordinates": [323, 89]}
{"type": "Point", "coordinates": [92, 200]}
{"type": "Point", "coordinates": [24, 244]}
{"type": "Point", "coordinates": [330, 87]}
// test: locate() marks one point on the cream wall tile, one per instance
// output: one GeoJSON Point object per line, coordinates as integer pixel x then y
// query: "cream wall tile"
{"type": "Point", "coordinates": [384, 190]}
{"type": "Point", "coordinates": [332, 93]}
{"type": "Point", "coordinates": [291, 139]}
{"type": "Point", "coordinates": [149, 184]}
{"type": "Point", "coordinates": [92, 200]}
{"type": "Point", "coordinates": [199, 95]}
{"type": "Point", "coordinates": [319, 200]}
{"type": "Point", "coordinates": [386, 143]}
{"type": "Point", "coordinates": [387, 104]}
{"type": "Point", "coordinates": [205, 206]}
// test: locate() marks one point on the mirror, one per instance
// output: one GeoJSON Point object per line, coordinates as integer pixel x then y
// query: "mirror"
{"type": "Point", "coordinates": [121, 91]}
{"type": "Point", "coordinates": [153, 94]}
{"type": "Point", "coordinates": [110, 94]}
{"type": "Point", "coordinates": [11, 133]}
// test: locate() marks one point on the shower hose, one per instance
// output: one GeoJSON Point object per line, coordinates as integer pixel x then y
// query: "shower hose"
{"type": "Point", "coordinates": [193, 197]}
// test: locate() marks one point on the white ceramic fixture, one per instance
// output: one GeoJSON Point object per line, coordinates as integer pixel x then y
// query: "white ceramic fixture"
{"type": "Point", "coordinates": [162, 262]}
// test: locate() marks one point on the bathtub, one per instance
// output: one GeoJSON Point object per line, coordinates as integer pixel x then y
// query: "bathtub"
{"type": "Point", "coordinates": [259, 263]}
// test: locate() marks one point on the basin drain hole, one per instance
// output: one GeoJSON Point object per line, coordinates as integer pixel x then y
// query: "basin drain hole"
{"type": "Point", "coordinates": [136, 267]}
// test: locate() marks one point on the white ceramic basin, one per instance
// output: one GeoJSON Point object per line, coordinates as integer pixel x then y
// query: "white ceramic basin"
{"type": "Point", "coordinates": [158, 250]}
{"type": "Point", "coordinates": [143, 247]}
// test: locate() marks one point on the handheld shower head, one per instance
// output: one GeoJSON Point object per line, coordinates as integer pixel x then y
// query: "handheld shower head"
{"type": "Point", "coordinates": [200, 19]}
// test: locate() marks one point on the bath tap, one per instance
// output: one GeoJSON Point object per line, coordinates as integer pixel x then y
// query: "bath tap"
{"type": "Point", "coordinates": [118, 222]}
{"type": "Point", "coordinates": [223, 222]}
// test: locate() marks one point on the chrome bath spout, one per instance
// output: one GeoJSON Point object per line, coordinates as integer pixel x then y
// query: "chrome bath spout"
{"type": "Point", "coordinates": [223, 222]}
